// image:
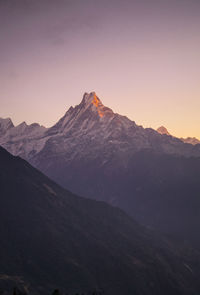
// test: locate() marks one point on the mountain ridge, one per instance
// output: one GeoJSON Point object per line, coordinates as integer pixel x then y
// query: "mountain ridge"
{"type": "Point", "coordinates": [51, 238]}
{"type": "Point", "coordinates": [92, 102]}
{"type": "Point", "coordinates": [191, 140]}
{"type": "Point", "coordinates": [111, 158]}
{"type": "Point", "coordinates": [80, 120]}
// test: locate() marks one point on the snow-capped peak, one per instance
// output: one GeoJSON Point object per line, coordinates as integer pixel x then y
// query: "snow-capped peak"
{"type": "Point", "coordinates": [91, 101]}
{"type": "Point", "coordinates": [88, 124]}
{"type": "Point", "coordinates": [91, 118]}
{"type": "Point", "coordinates": [88, 98]}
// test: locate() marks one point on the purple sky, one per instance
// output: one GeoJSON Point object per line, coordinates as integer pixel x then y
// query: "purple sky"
{"type": "Point", "coordinates": [142, 58]}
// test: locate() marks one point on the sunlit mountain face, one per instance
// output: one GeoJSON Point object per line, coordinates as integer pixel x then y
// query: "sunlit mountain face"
{"type": "Point", "coordinates": [102, 155]}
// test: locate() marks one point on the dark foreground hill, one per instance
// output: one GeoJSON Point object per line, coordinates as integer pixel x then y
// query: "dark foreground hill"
{"type": "Point", "coordinates": [51, 238]}
{"type": "Point", "coordinates": [160, 191]}
{"type": "Point", "coordinates": [12, 285]}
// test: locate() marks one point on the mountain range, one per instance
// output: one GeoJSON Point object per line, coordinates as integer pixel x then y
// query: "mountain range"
{"type": "Point", "coordinates": [190, 140]}
{"type": "Point", "coordinates": [51, 238]}
{"type": "Point", "coordinates": [88, 121]}
{"type": "Point", "coordinates": [105, 156]}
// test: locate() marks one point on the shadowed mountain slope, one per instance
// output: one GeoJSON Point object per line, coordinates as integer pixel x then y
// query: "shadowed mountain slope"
{"type": "Point", "coordinates": [51, 238]}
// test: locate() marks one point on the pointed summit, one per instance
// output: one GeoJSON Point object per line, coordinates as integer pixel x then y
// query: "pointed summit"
{"type": "Point", "coordinates": [91, 103]}
{"type": "Point", "coordinates": [89, 97]}
{"type": "Point", "coordinates": [89, 112]}
{"type": "Point", "coordinates": [91, 100]}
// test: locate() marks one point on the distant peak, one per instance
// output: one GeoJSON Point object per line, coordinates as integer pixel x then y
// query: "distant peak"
{"type": "Point", "coordinates": [6, 120]}
{"type": "Point", "coordinates": [191, 140]}
{"type": "Point", "coordinates": [23, 124]}
{"type": "Point", "coordinates": [6, 123]}
{"type": "Point", "coordinates": [163, 130]}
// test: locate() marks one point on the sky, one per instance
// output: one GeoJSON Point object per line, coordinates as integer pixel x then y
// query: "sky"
{"type": "Point", "coordinates": [142, 58]}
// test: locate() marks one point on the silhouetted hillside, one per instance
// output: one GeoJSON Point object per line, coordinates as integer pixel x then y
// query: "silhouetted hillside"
{"type": "Point", "coordinates": [51, 239]}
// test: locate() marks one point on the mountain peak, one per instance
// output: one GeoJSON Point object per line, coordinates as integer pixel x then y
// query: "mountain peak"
{"type": "Point", "coordinates": [84, 115]}
{"type": "Point", "coordinates": [191, 140]}
{"type": "Point", "coordinates": [91, 100]}
{"type": "Point", "coordinates": [23, 124]}
{"type": "Point", "coordinates": [6, 121]}
{"type": "Point", "coordinates": [5, 124]}
{"type": "Point", "coordinates": [88, 96]}
{"type": "Point", "coordinates": [163, 130]}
